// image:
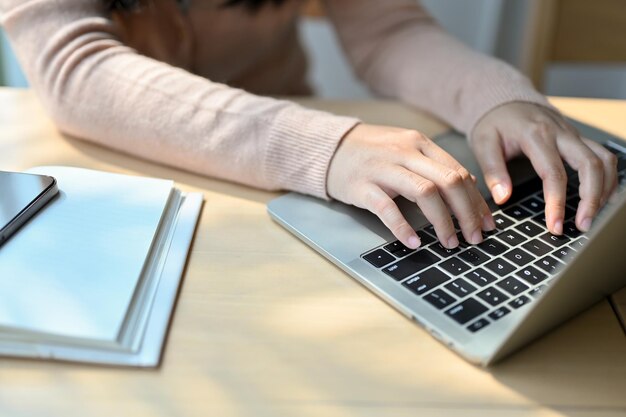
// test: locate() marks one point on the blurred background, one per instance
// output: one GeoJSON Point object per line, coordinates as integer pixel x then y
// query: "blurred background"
{"type": "Point", "coordinates": [567, 47]}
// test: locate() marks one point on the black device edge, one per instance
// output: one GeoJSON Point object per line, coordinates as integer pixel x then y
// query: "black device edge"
{"type": "Point", "coordinates": [46, 195]}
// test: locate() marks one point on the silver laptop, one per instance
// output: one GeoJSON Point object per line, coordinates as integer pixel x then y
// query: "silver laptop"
{"type": "Point", "coordinates": [484, 301]}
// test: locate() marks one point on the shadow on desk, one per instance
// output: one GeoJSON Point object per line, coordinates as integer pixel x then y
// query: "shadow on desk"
{"type": "Point", "coordinates": [582, 363]}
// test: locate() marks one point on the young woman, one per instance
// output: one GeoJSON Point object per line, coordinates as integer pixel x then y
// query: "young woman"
{"type": "Point", "coordinates": [182, 83]}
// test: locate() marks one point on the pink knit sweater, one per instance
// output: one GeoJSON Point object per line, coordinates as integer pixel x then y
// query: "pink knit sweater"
{"type": "Point", "coordinates": [105, 82]}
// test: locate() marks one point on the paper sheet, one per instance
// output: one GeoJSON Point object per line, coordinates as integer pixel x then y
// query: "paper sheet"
{"type": "Point", "coordinates": [72, 270]}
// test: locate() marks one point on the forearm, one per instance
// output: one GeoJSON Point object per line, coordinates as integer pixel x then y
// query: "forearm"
{"type": "Point", "coordinates": [401, 52]}
{"type": "Point", "coordinates": [96, 88]}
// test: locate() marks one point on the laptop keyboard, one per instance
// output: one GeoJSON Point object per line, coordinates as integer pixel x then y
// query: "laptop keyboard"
{"type": "Point", "coordinates": [475, 285]}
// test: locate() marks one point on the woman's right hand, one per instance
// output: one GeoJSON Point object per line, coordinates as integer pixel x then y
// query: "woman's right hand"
{"type": "Point", "coordinates": [375, 164]}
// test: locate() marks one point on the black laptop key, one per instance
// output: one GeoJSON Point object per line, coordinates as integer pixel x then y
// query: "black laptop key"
{"type": "Point", "coordinates": [460, 287]}
{"type": "Point", "coordinates": [549, 264]}
{"type": "Point", "coordinates": [511, 237]}
{"type": "Point", "coordinates": [473, 256]}
{"type": "Point", "coordinates": [519, 257]}
{"type": "Point", "coordinates": [442, 251]}
{"type": "Point", "coordinates": [493, 296]}
{"type": "Point", "coordinates": [519, 301]}
{"type": "Point", "coordinates": [573, 181]}
{"type": "Point", "coordinates": [411, 264]}
{"type": "Point", "coordinates": [569, 212]}
{"type": "Point", "coordinates": [425, 238]}
{"type": "Point", "coordinates": [512, 285]}
{"type": "Point", "coordinates": [493, 247]}
{"type": "Point", "coordinates": [500, 267]}
{"type": "Point", "coordinates": [540, 218]}
{"type": "Point", "coordinates": [537, 247]}
{"type": "Point", "coordinates": [525, 189]}
{"type": "Point", "coordinates": [530, 229]}
{"type": "Point", "coordinates": [517, 212]}
{"type": "Point", "coordinates": [466, 310]}
{"type": "Point", "coordinates": [480, 277]}
{"type": "Point", "coordinates": [498, 313]}
{"type": "Point", "coordinates": [379, 258]}
{"type": "Point", "coordinates": [564, 253]}
{"type": "Point", "coordinates": [455, 266]}
{"type": "Point", "coordinates": [477, 325]}
{"type": "Point", "coordinates": [403, 252]}
{"type": "Point", "coordinates": [573, 201]}
{"type": "Point", "coordinates": [440, 299]}
{"type": "Point", "coordinates": [570, 229]}
{"type": "Point", "coordinates": [554, 240]}
{"type": "Point", "coordinates": [501, 221]}
{"type": "Point", "coordinates": [398, 249]}
{"type": "Point", "coordinates": [532, 275]}
{"type": "Point", "coordinates": [534, 205]}
{"type": "Point", "coordinates": [430, 229]}
{"type": "Point", "coordinates": [573, 198]}
{"type": "Point", "coordinates": [426, 281]}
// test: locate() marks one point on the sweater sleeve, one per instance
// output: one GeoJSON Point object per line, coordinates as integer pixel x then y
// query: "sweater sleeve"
{"type": "Point", "coordinates": [399, 51]}
{"type": "Point", "coordinates": [96, 88]}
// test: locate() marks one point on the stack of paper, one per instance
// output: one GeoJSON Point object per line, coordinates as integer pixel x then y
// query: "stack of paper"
{"type": "Point", "coordinates": [93, 277]}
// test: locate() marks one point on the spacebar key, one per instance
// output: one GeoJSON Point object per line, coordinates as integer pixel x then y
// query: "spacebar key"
{"type": "Point", "coordinates": [411, 264]}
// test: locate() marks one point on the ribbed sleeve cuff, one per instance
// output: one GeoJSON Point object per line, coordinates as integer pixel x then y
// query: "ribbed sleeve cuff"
{"type": "Point", "coordinates": [504, 85]}
{"type": "Point", "coordinates": [301, 145]}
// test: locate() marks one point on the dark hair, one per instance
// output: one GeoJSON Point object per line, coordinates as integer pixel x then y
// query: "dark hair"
{"type": "Point", "coordinates": [250, 4]}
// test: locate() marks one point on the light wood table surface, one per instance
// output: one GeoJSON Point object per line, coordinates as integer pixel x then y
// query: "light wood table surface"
{"type": "Point", "coordinates": [266, 327]}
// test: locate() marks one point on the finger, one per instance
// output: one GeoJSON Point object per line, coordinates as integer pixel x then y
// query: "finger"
{"type": "Point", "coordinates": [379, 203]}
{"type": "Point", "coordinates": [609, 163]}
{"type": "Point", "coordinates": [542, 151]}
{"type": "Point", "coordinates": [444, 158]}
{"type": "Point", "coordinates": [451, 187]}
{"type": "Point", "coordinates": [490, 156]}
{"type": "Point", "coordinates": [424, 193]}
{"type": "Point", "coordinates": [590, 172]}
{"type": "Point", "coordinates": [488, 223]}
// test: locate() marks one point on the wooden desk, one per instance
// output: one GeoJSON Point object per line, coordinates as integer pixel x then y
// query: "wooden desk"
{"type": "Point", "coordinates": [266, 327]}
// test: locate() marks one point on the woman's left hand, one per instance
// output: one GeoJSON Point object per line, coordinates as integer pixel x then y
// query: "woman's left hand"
{"type": "Point", "coordinates": [546, 139]}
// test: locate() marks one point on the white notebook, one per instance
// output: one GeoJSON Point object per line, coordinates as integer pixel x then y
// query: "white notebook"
{"type": "Point", "coordinates": [93, 277]}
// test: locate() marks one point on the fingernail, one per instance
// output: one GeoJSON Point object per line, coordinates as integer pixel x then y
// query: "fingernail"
{"type": "Point", "coordinates": [586, 224]}
{"type": "Point", "coordinates": [414, 242]}
{"type": "Point", "coordinates": [488, 222]}
{"type": "Point", "coordinates": [477, 237]}
{"type": "Point", "coordinates": [558, 227]}
{"type": "Point", "coordinates": [499, 192]}
{"type": "Point", "coordinates": [453, 242]}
